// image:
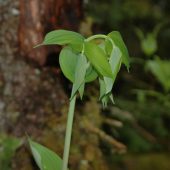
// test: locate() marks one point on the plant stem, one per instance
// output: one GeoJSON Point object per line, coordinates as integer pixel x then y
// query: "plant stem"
{"type": "Point", "coordinates": [100, 36]}
{"type": "Point", "coordinates": [68, 133]}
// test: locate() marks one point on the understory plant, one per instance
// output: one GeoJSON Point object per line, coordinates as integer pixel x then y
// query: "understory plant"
{"type": "Point", "coordinates": [157, 66]}
{"type": "Point", "coordinates": [82, 60]}
{"type": "Point", "coordinates": [8, 146]}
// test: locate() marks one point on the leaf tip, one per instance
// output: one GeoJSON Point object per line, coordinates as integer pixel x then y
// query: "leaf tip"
{"type": "Point", "coordinates": [39, 45]}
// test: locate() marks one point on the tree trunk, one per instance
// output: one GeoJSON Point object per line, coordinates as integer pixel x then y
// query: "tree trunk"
{"type": "Point", "coordinates": [37, 17]}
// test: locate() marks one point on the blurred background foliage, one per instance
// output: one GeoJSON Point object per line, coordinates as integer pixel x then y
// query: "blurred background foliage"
{"type": "Point", "coordinates": [145, 91]}
{"type": "Point", "coordinates": [8, 146]}
{"type": "Point", "coordinates": [141, 117]}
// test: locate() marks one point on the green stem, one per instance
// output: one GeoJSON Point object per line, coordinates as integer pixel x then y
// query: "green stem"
{"type": "Point", "coordinates": [100, 36]}
{"type": "Point", "coordinates": [68, 133]}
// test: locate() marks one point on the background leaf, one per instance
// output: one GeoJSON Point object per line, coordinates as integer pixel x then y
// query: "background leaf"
{"type": "Point", "coordinates": [160, 69]}
{"type": "Point", "coordinates": [149, 44]}
{"type": "Point", "coordinates": [8, 146]}
{"type": "Point", "coordinates": [45, 158]}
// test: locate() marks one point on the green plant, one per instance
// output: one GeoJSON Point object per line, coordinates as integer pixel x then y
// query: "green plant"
{"type": "Point", "coordinates": [82, 61]}
{"type": "Point", "coordinates": [160, 69]}
{"type": "Point", "coordinates": [148, 41]}
{"type": "Point", "coordinates": [8, 146]}
{"type": "Point", "coordinates": [157, 66]}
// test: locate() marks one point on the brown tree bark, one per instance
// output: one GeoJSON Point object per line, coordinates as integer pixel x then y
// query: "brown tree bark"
{"type": "Point", "coordinates": [37, 17]}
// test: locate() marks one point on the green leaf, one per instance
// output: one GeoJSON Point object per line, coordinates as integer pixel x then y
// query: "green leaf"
{"type": "Point", "coordinates": [160, 69]}
{"type": "Point", "coordinates": [45, 158]}
{"type": "Point", "coordinates": [91, 74]}
{"type": "Point", "coordinates": [118, 41]}
{"type": "Point", "coordinates": [8, 146]}
{"type": "Point", "coordinates": [98, 59]}
{"type": "Point", "coordinates": [105, 101]}
{"type": "Point", "coordinates": [115, 62]}
{"type": "Point", "coordinates": [80, 73]}
{"type": "Point", "coordinates": [102, 46]}
{"type": "Point", "coordinates": [68, 61]}
{"type": "Point", "coordinates": [109, 84]}
{"type": "Point", "coordinates": [106, 84]}
{"type": "Point", "coordinates": [81, 90]}
{"type": "Point", "coordinates": [149, 44]}
{"type": "Point", "coordinates": [104, 97]}
{"type": "Point", "coordinates": [111, 98]}
{"type": "Point", "coordinates": [102, 88]}
{"type": "Point", "coordinates": [64, 37]}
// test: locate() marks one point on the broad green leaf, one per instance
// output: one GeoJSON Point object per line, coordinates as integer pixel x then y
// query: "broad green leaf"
{"type": "Point", "coordinates": [98, 59]}
{"type": "Point", "coordinates": [118, 41]}
{"type": "Point", "coordinates": [68, 61]}
{"type": "Point", "coordinates": [115, 62]}
{"type": "Point", "coordinates": [45, 158]}
{"type": "Point", "coordinates": [102, 46]}
{"type": "Point", "coordinates": [64, 37]}
{"type": "Point", "coordinates": [91, 74]}
{"type": "Point", "coordinates": [80, 73]}
{"type": "Point", "coordinates": [108, 47]}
